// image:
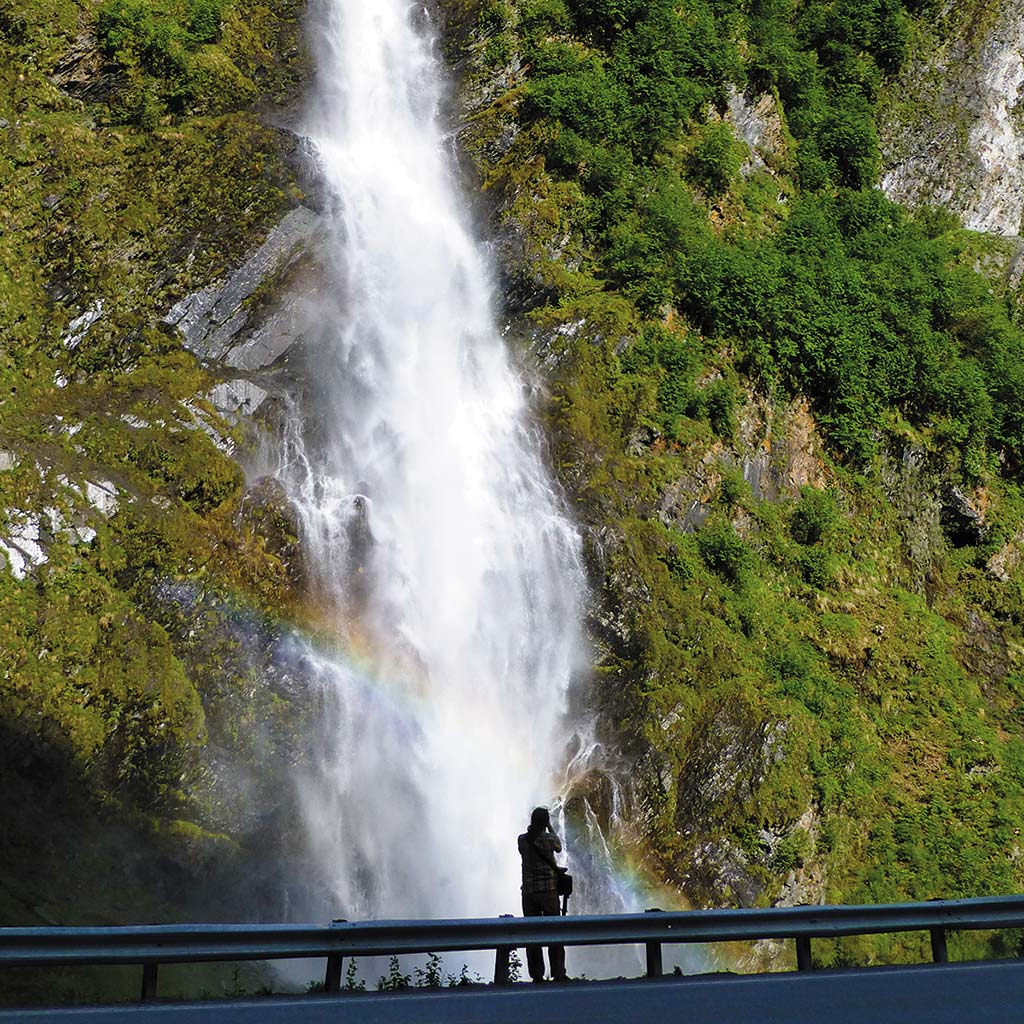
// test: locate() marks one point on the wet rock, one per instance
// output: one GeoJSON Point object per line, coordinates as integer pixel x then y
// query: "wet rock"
{"type": "Point", "coordinates": [963, 523]}
{"type": "Point", "coordinates": [593, 790]}
{"type": "Point", "coordinates": [912, 489]}
{"type": "Point", "coordinates": [301, 158]}
{"type": "Point", "coordinates": [624, 590]}
{"type": "Point", "coordinates": [237, 398]}
{"type": "Point", "coordinates": [722, 868]}
{"type": "Point", "coordinates": [686, 503]}
{"type": "Point", "coordinates": [727, 758]}
{"type": "Point", "coordinates": [85, 73]}
{"type": "Point", "coordinates": [268, 512]}
{"type": "Point", "coordinates": [984, 651]}
{"type": "Point", "coordinates": [730, 758]}
{"type": "Point", "coordinates": [250, 322]}
{"type": "Point", "coordinates": [212, 320]}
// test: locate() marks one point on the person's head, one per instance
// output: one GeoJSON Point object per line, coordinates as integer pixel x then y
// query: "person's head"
{"type": "Point", "coordinates": [540, 820]}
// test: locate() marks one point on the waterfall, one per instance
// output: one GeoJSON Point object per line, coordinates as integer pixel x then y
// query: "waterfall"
{"type": "Point", "coordinates": [446, 574]}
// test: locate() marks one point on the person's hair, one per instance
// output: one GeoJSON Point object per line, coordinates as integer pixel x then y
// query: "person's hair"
{"type": "Point", "coordinates": [540, 819]}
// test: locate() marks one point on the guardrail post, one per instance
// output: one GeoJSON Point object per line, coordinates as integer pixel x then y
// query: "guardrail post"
{"type": "Point", "coordinates": [654, 964]}
{"type": "Point", "coordinates": [939, 952]}
{"type": "Point", "coordinates": [332, 976]}
{"type": "Point", "coordinates": [149, 975]}
{"type": "Point", "coordinates": [502, 957]}
{"type": "Point", "coordinates": [803, 953]}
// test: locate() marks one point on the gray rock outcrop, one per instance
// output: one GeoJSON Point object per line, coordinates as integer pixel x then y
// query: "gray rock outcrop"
{"type": "Point", "coordinates": [248, 322]}
{"type": "Point", "coordinates": [951, 129]}
{"type": "Point", "coordinates": [757, 121]}
{"type": "Point", "coordinates": [213, 320]}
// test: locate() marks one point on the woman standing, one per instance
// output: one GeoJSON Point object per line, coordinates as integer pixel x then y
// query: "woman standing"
{"type": "Point", "coordinates": [537, 847]}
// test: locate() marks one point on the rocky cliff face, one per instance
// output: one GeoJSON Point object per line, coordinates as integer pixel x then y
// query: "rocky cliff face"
{"type": "Point", "coordinates": [951, 127]}
{"type": "Point", "coordinates": [786, 641]}
{"type": "Point", "coordinates": [153, 235]}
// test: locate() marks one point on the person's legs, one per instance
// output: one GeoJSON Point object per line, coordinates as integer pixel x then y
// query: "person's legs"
{"type": "Point", "coordinates": [556, 954]}
{"type": "Point", "coordinates": [534, 954]}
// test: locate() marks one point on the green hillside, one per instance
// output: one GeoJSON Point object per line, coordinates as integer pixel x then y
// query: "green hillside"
{"type": "Point", "coordinates": [787, 414]}
{"type": "Point", "coordinates": [136, 165]}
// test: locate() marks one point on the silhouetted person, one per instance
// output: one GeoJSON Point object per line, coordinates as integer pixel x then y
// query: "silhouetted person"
{"type": "Point", "coordinates": [538, 846]}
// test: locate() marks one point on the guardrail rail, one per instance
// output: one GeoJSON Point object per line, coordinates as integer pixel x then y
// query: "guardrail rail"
{"type": "Point", "coordinates": [153, 945]}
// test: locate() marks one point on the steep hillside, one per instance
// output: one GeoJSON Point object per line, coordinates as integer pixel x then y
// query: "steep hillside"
{"type": "Point", "coordinates": [142, 577]}
{"type": "Point", "coordinates": [788, 413]}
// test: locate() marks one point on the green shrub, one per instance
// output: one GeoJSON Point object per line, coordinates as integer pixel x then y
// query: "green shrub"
{"type": "Point", "coordinates": [814, 516]}
{"type": "Point", "coordinates": [734, 488]}
{"type": "Point", "coordinates": [719, 402]}
{"type": "Point", "coordinates": [494, 16]}
{"type": "Point", "coordinates": [816, 568]}
{"type": "Point", "coordinates": [204, 19]}
{"type": "Point", "coordinates": [544, 16]}
{"type": "Point", "coordinates": [714, 162]}
{"type": "Point", "coordinates": [498, 50]}
{"type": "Point", "coordinates": [791, 851]}
{"type": "Point", "coordinates": [724, 552]}
{"type": "Point", "coordinates": [159, 39]}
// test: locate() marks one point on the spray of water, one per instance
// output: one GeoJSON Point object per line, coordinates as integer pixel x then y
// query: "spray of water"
{"type": "Point", "coordinates": [437, 545]}
{"type": "Point", "coordinates": [433, 533]}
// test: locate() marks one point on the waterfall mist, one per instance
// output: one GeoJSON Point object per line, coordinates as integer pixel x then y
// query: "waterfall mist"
{"type": "Point", "coordinates": [444, 569]}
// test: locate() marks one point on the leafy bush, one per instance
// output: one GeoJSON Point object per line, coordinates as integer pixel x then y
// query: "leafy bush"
{"type": "Point", "coordinates": [204, 19]}
{"type": "Point", "coordinates": [544, 16]}
{"type": "Point", "coordinates": [394, 980]}
{"type": "Point", "coordinates": [136, 29]}
{"type": "Point", "coordinates": [816, 568]}
{"type": "Point", "coordinates": [814, 516]}
{"type": "Point", "coordinates": [719, 402]}
{"type": "Point", "coordinates": [159, 39]}
{"type": "Point", "coordinates": [724, 552]}
{"type": "Point", "coordinates": [715, 159]}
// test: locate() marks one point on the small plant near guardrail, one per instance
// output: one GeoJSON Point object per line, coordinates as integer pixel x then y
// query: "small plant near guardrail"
{"type": "Point", "coordinates": [463, 978]}
{"type": "Point", "coordinates": [430, 976]}
{"type": "Point", "coordinates": [394, 979]}
{"type": "Point", "coordinates": [353, 983]}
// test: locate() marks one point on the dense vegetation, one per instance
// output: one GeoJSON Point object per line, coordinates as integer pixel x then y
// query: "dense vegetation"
{"type": "Point", "coordinates": [807, 628]}
{"type": "Point", "coordinates": [788, 412]}
{"type": "Point", "coordinates": [133, 170]}
{"type": "Point", "coordinates": [850, 300]}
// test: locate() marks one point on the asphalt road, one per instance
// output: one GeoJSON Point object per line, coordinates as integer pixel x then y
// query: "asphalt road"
{"type": "Point", "coordinates": [970, 993]}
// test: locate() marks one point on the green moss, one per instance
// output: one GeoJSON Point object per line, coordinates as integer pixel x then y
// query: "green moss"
{"type": "Point", "coordinates": [821, 631]}
{"type": "Point", "coordinates": [121, 193]}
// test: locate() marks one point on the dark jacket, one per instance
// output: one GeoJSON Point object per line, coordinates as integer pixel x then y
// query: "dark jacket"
{"type": "Point", "coordinates": [538, 853]}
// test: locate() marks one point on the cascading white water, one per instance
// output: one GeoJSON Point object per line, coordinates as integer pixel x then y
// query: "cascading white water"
{"type": "Point", "coordinates": [447, 572]}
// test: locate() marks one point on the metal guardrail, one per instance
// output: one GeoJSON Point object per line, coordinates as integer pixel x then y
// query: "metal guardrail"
{"type": "Point", "coordinates": [151, 945]}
